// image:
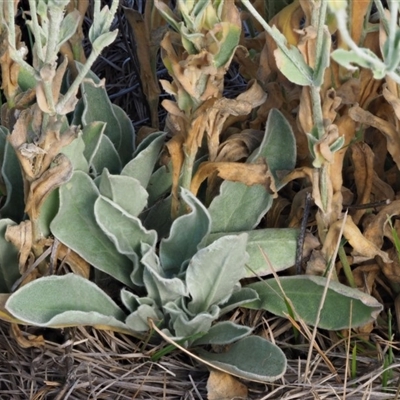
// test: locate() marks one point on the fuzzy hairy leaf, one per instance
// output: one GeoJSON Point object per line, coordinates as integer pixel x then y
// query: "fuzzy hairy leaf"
{"type": "Point", "coordinates": [145, 158]}
{"type": "Point", "coordinates": [251, 358]}
{"type": "Point", "coordinates": [238, 207]}
{"type": "Point", "coordinates": [214, 271]}
{"type": "Point", "coordinates": [186, 233]}
{"type": "Point", "coordinates": [125, 191]}
{"type": "Point", "coordinates": [125, 231]}
{"type": "Point", "coordinates": [305, 292]}
{"type": "Point", "coordinates": [278, 147]}
{"type": "Point", "coordinates": [268, 248]}
{"type": "Point", "coordinates": [224, 332]}
{"type": "Point", "coordinates": [75, 225]}
{"type": "Point", "coordinates": [68, 300]}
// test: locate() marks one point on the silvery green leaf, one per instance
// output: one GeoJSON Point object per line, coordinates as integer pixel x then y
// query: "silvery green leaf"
{"type": "Point", "coordinates": [68, 27]}
{"type": "Point", "coordinates": [324, 61]}
{"type": "Point", "coordinates": [138, 320]}
{"type": "Point", "coordinates": [184, 326]}
{"type": "Point", "coordinates": [75, 153]}
{"type": "Point", "coordinates": [278, 147]}
{"type": "Point", "coordinates": [125, 191]}
{"type": "Point", "coordinates": [159, 287]}
{"type": "Point", "coordinates": [68, 300]}
{"type": "Point", "coordinates": [160, 183]}
{"type": "Point", "coordinates": [186, 233]}
{"type": "Point", "coordinates": [222, 333]}
{"type": "Point", "coordinates": [75, 225]}
{"type": "Point", "coordinates": [98, 107]}
{"type": "Point", "coordinates": [125, 231]}
{"type": "Point", "coordinates": [128, 135]}
{"type": "Point", "coordinates": [105, 156]}
{"type": "Point", "coordinates": [104, 40]}
{"type": "Point", "coordinates": [252, 357]}
{"type": "Point", "coordinates": [239, 298]}
{"type": "Point", "coordinates": [277, 245]}
{"type": "Point", "coordinates": [290, 61]}
{"type": "Point", "coordinates": [238, 207]}
{"type": "Point", "coordinates": [144, 159]}
{"type": "Point", "coordinates": [219, 267]}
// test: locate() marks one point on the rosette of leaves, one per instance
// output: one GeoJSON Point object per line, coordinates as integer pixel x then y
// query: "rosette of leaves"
{"type": "Point", "coordinates": [42, 143]}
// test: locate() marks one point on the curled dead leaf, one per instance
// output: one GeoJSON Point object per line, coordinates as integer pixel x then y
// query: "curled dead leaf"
{"type": "Point", "coordinates": [26, 340]}
{"type": "Point", "coordinates": [21, 237]}
{"type": "Point", "coordinates": [388, 129]}
{"type": "Point", "coordinates": [249, 174]}
{"type": "Point", "coordinates": [375, 230]}
{"type": "Point", "coordinates": [360, 243]}
{"type": "Point", "coordinates": [77, 264]}
{"type": "Point", "coordinates": [54, 177]}
{"type": "Point", "coordinates": [363, 159]}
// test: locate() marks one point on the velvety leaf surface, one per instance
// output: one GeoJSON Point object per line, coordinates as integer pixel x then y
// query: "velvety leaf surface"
{"type": "Point", "coordinates": [223, 333]}
{"type": "Point", "coordinates": [238, 207]}
{"type": "Point", "coordinates": [125, 191]}
{"type": "Point", "coordinates": [251, 358]}
{"type": "Point", "coordinates": [276, 245]}
{"type": "Point", "coordinates": [75, 225]}
{"type": "Point", "coordinates": [186, 233]}
{"type": "Point", "coordinates": [145, 158]}
{"type": "Point", "coordinates": [65, 301]}
{"type": "Point", "coordinates": [278, 147]}
{"type": "Point", "coordinates": [305, 294]}
{"type": "Point", "coordinates": [214, 271]}
{"type": "Point", "coordinates": [125, 231]}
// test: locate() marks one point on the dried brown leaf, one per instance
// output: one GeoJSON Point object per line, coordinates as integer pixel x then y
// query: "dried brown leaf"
{"type": "Point", "coordinates": [77, 264]}
{"type": "Point", "coordinates": [25, 340]}
{"type": "Point", "coordinates": [249, 174]}
{"type": "Point", "coordinates": [58, 174]}
{"type": "Point", "coordinates": [375, 230]}
{"type": "Point", "coordinates": [360, 243]}
{"type": "Point", "coordinates": [388, 129]}
{"type": "Point", "coordinates": [363, 160]}
{"type": "Point", "coordinates": [175, 150]}
{"type": "Point", "coordinates": [21, 237]}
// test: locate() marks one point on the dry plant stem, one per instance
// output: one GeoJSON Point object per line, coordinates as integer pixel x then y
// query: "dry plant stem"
{"type": "Point", "coordinates": [35, 29]}
{"type": "Point", "coordinates": [318, 21]}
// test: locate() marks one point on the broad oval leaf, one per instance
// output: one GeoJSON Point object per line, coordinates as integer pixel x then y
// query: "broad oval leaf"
{"type": "Point", "coordinates": [344, 307]}
{"type": "Point", "coordinates": [214, 271]}
{"type": "Point", "coordinates": [68, 300]}
{"type": "Point", "coordinates": [186, 233]}
{"type": "Point", "coordinates": [238, 207]}
{"type": "Point", "coordinates": [125, 191]}
{"type": "Point", "coordinates": [224, 332]}
{"type": "Point", "coordinates": [278, 147]}
{"type": "Point", "coordinates": [125, 231]}
{"type": "Point", "coordinates": [145, 158]}
{"type": "Point", "coordinates": [268, 249]}
{"type": "Point", "coordinates": [75, 225]}
{"type": "Point", "coordinates": [252, 358]}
